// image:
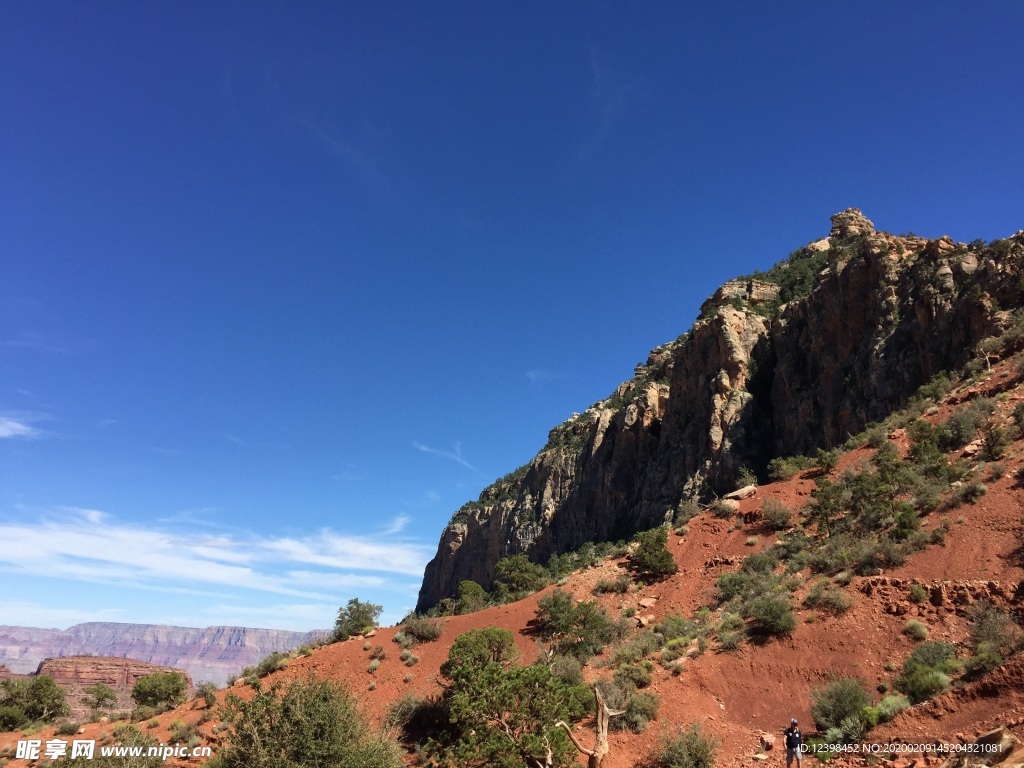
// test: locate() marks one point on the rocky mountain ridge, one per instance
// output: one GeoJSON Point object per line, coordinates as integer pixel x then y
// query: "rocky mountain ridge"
{"type": "Point", "coordinates": [779, 363]}
{"type": "Point", "coordinates": [208, 653]}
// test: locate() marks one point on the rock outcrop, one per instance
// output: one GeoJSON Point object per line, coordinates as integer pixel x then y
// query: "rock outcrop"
{"type": "Point", "coordinates": [76, 673]}
{"type": "Point", "coordinates": [778, 364]}
{"type": "Point", "coordinates": [210, 653]}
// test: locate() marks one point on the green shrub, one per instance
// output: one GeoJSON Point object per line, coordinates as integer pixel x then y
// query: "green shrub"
{"type": "Point", "coordinates": [99, 696]}
{"type": "Point", "coordinates": [926, 671]}
{"type": "Point", "coordinates": [776, 515]}
{"type": "Point", "coordinates": [824, 596]}
{"type": "Point", "coordinates": [788, 468]}
{"type": "Point", "coordinates": [722, 509]}
{"type": "Point", "coordinates": [39, 698]}
{"type": "Point", "coordinates": [770, 615]}
{"type": "Point", "coordinates": [472, 597]}
{"type": "Point", "coordinates": [915, 630]}
{"type": "Point", "coordinates": [640, 709]}
{"type": "Point", "coordinates": [66, 728]}
{"type": "Point", "coordinates": [310, 723]}
{"type": "Point", "coordinates": [651, 559]}
{"type": "Point", "coordinates": [688, 748]}
{"type": "Point", "coordinates": [142, 712]}
{"type": "Point", "coordinates": [208, 693]}
{"type": "Point", "coordinates": [918, 594]}
{"type": "Point", "coordinates": [620, 585]}
{"type": "Point", "coordinates": [636, 675]}
{"type": "Point", "coordinates": [160, 690]}
{"type": "Point", "coordinates": [422, 629]}
{"type": "Point", "coordinates": [516, 577]}
{"type": "Point", "coordinates": [127, 736]}
{"type": "Point", "coordinates": [841, 699]}
{"type": "Point", "coordinates": [890, 706]}
{"type": "Point", "coordinates": [577, 629]}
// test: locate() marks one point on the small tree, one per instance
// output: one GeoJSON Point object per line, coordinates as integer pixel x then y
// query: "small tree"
{"type": "Point", "coordinates": [651, 559]}
{"type": "Point", "coordinates": [208, 693]}
{"type": "Point", "coordinates": [161, 690]}
{"type": "Point", "coordinates": [500, 715]}
{"type": "Point", "coordinates": [516, 577]}
{"type": "Point", "coordinates": [100, 696]}
{"type": "Point", "coordinates": [355, 618]}
{"type": "Point", "coordinates": [472, 597]}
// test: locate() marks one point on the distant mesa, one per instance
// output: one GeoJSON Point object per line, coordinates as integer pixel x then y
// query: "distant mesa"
{"type": "Point", "coordinates": [206, 654]}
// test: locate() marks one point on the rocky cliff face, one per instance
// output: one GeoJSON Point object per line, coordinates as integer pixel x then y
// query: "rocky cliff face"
{"type": "Point", "coordinates": [210, 653]}
{"type": "Point", "coordinates": [778, 364]}
{"type": "Point", "coordinates": [76, 673]}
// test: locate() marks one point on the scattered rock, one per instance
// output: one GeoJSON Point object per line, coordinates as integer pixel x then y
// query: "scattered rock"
{"type": "Point", "coordinates": [767, 742]}
{"type": "Point", "coordinates": [742, 493]}
{"type": "Point", "coordinates": [648, 602]}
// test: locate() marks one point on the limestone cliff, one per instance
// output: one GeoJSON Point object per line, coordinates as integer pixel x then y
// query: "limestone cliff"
{"type": "Point", "coordinates": [779, 363]}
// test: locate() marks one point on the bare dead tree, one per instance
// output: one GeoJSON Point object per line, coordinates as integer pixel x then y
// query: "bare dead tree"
{"type": "Point", "coordinates": [602, 716]}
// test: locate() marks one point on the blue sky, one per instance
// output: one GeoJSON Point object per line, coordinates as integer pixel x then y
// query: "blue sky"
{"type": "Point", "coordinates": [281, 286]}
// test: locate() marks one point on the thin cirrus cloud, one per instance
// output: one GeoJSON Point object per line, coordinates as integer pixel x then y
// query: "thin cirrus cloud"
{"type": "Point", "coordinates": [87, 545]}
{"type": "Point", "coordinates": [540, 375]}
{"type": "Point", "coordinates": [19, 425]}
{"type": "Point", "coordinates": [455, 455]}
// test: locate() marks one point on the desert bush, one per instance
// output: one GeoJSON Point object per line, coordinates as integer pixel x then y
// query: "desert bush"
{"type": "Point", "coordinates": [66, 728]}
{"type": "Point", "coordinates": [722, 509]}
{"type": "Point", "coordinates": [688, 748]}
{"type": "Point", "coordinates": [651, 559]}
{"type": "Point", "coordinates": [770, 615]}
{"type": "Point", "coordinates": [827, 461]}
{"type": "Point", "coordinates": [918, 594]}
{"type": "Point", "coordinates": [160, 690]}
{"type": "Point", "coordinates": [37, 699]}
{"type": "Point", "coordinates": [142, 712]}
{"type": "Point", "coordinates": [620, 585]}
{"type": "Point", "coordinates": [568, 669]}
{"type": "Point", "coordinates": [422, 629]}
{"type": "Point", "coordinates": [963, 425]}
{"type": "Point", "coordinates": [99, 696]}
{"type": "Point", "coordinates": [841, 699]}
{"type": "Point", "coordinates": [685, 512]}
{"type": "Point", "coordinates": [776, 514]}
{"type": "Point", "coordinates": [635, 675]}
{"type": "Point", "coordinates": [309, 723]}
{"type": "Point", "coordinates": [826, 597]}
{"type": "Point", "coordinates": [126, 736]}
{"type": "Point", "coordinates": [788, 468]}
{"type": "Point", "coordinates": [182, 732]}
{"type": "Point", "coordinates": [207, 691]}
{"type": "Point", "coordinates": [915, 630]}
{"type": "Point", "coordinates": [890, 706]}
{"type": "Point", "coordinates": [926, 671]}
{"type": "Point", "coordinates": [641, 708]}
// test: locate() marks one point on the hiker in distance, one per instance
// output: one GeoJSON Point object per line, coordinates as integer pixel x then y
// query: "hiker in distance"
{"type": "Point", "coordinates": [794, 743]}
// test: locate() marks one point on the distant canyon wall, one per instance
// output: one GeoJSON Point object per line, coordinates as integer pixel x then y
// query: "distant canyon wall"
{"type": "Point", "coordinates": [207, 654]}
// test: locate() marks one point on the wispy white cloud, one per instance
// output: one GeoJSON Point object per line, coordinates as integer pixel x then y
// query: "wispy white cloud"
{"type": "Point", "coordinates": [35, 615]}
{"type": "Point", "coordinates": [397, 525]}
{"type": "Point", "coordinates": [455, 455]}
{"type": "Point", "coordinates": [88, 545]}
{"type": "Point", "coordinates": [15, 425]}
